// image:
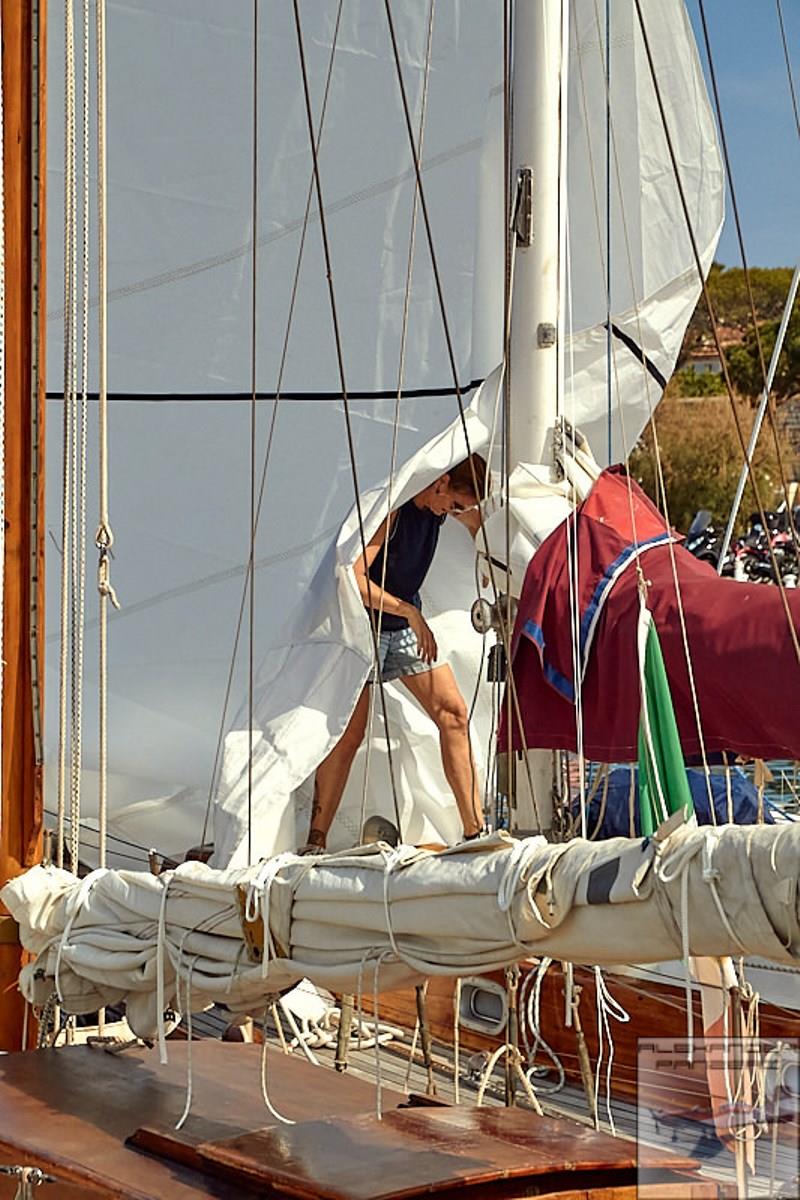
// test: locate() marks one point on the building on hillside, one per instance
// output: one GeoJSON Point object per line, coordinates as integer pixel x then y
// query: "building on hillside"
{"type": "Point", "coordinates": [704, 359]}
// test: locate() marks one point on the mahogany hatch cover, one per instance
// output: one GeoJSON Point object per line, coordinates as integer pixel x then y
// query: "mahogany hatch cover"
{"type": "Point", "coordinates": [415, 1152]}
{"type": "Point", "coordinates": [71, 1110]}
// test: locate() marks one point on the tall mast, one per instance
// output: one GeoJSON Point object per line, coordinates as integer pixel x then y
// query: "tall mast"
{"type": "Point", "coordinates": [23, 52]}
{"type": "Point", "coordinates": [539, 33]}
{"type": "Point", "coordinates": [536, 149]}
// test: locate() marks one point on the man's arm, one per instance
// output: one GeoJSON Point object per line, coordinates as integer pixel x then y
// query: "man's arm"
{"type": "Point", "coordinates": [377, 598]}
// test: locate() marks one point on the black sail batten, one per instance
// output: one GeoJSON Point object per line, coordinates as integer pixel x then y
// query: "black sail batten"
{"type": "Point", "coordinates": [637, 351]}
{"type": "Point", "coordinates": [187, 397]}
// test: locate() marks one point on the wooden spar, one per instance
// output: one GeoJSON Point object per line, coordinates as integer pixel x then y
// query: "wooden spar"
{"type": "Point", "coordinates": [23, 48]}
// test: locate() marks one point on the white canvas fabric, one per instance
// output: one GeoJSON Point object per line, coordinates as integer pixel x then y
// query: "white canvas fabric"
{"type": "Point", "coordinates": [381, 918]}
{"type": "Point", "coordinates": [181, 163]}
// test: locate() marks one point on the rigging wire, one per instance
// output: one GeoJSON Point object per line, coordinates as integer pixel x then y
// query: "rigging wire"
{"type": "Point", "coordinates": [269, 446]}
{"type": "Point", "coordinates": [396, 423]}
{"type": "Point", "coordinates": [79, 468]}
{"type": "Point", "coordinates": [659, 466]}
{"type": "Point", "coordinates": [504, 625]}
{"type": "Point", "coordinates": [714, 328]}
{"type": "Point", "coordinates": [789, 74]}
{"type": "Point", "coordinates": [342, 379]}
{"type": "Point", "coordinates": [112, 837]}
{"type": "Point", "coordinates": [104, 537]}
{"type": "Point", "coordinates": [252, 526]}
{"type": "Point", "coordinates": [69, 403]}
{"type": "Point", "coordinates": [773, 423]}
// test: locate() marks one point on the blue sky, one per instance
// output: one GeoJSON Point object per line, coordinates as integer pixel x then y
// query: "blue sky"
{"type": "Point", "coordinates": [759, 124]}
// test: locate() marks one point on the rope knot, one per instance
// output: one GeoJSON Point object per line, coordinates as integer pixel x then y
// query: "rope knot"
{"type": "Point", "coordinates": [104, 538]}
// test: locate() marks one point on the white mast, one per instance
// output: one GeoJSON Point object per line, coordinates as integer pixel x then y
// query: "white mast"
{"type": "Point", "coordinates": [536, 148]}
{"type": "Point", "coordinates": [539, 35]}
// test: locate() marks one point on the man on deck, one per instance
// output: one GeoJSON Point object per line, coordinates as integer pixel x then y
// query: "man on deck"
{"type": "Point", "coordinates": [389, 576]}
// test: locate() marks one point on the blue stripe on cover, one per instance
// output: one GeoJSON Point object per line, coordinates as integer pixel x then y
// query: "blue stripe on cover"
{"type": "Point", "coordinates": [534, 633]}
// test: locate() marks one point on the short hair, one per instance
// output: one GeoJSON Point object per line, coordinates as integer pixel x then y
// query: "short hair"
{"type": "Point", "coordinates": [469, 475]}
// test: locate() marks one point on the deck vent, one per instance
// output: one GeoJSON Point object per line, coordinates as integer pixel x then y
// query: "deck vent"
{"type": "Point", "coordinates": [484, 1007]}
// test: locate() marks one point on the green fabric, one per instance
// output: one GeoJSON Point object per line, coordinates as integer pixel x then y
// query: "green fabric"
{"type": "Point", "coordinates": [666, 762]}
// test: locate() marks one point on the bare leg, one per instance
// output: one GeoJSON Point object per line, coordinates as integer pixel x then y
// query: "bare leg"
{"type": "Point", "coordinates": [437, 692]}
{"type": "Point", "coordinates": [332, 773]}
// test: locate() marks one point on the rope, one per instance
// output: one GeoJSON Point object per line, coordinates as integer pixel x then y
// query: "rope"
{"type": "Point", "coordinates": [607, 1007]}
{"type": "Point", "coordinates": [378, 1080]}
{"type": "Point", "coordinates": [69, 403]}
{"type": "Point", "coordinates": [457, 1041]}
{"type": "Point", "coordinates": [104, 537]}
{"type": "Point", "coordinates": [79, 447]}
{"type": "Point", "coordinates": [714, 329]}
{"type": "Point", "coordinates": [789, 74]}
{"type": "Point", "coordinates": [659, 466]}
{"type": "Point", "coordinates": [530, 1007]}
{"type": "Point", "coordinates": [251, 584]}
{"type": "Point", "coordinates": [29, 1178]}
{"type": "Point", "coordinates": [340, 367]}
{"type": "Point", "coordinates": [395, 432]}
{"type": "Point", "coordinates": [765, 374]}
{"type": "Point", "coordinates": [505, 626]}
{"type": "Point", "coordinates": [264, 1091]}
{"type": "Point", "coordinates": [189, 1037]}
{"type": "Point", "coordinates": [268, 451]}
{"type": "Point", "coordinates": [515, 1058]}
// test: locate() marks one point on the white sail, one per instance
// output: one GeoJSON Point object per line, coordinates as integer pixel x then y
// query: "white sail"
{"type": "Point", "coordinates": [365, 919]}
{"type": "Point", "coordinates": [181, 163]}
{"type": "Point", "coordinates": [180, 312]}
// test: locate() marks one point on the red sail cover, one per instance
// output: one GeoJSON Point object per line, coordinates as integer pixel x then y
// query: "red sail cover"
{"type": "Point", "coordinates": [745, 667]}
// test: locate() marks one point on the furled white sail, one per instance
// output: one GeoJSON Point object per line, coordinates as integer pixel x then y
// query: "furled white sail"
{"type": "Point", "coordinates": [367, 919]}
{"type": "Point", "coordinates": [181, 163]}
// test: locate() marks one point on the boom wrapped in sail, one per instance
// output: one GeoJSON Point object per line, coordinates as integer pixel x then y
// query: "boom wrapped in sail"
{"type": "Point", "coordinates": [382, 918]}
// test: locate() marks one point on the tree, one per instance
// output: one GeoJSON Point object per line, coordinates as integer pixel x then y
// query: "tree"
{"type": "Point", "coordinates": [701, 458]}
{"type": "Point", "coordinates": [727, 289]}
{"type": "Point", "coordinates": [744, 364]}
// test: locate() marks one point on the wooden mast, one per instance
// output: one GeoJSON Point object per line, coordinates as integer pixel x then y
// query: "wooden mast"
{"type": "Point", "coordinates": [23, 50]}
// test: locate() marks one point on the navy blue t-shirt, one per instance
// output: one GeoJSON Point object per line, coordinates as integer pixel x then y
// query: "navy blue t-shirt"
{"type": "Point", "coordinates": [409, 550]}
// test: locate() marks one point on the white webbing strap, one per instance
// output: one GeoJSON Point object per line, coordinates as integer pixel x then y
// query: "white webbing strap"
{"type": "Point", "coordinates": [258, 898]}
{"type": "Point", "coordinates": [161, 950]}
{"type": "Point", "coordinates": [271, 1000]}
{"type": "Point", "coordinates": [73, 906]}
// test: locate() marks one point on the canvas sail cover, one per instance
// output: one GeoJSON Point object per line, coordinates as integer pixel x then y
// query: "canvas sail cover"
{"type": "Point", "coordinates": [366, 919]}
{"type": "Point", "coordinates": [740, 644]}
{"type": "Point", "coordinates": [182, 158]}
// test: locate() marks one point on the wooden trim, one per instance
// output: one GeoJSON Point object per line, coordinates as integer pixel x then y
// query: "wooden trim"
{"type": "Point", "coordinates": [20, 830]}
{"type": "Point", "coordinates": [9, 931]}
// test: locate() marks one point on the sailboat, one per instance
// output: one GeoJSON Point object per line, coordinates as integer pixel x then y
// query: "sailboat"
{"type": "Point", "coordinates": [403, 404]}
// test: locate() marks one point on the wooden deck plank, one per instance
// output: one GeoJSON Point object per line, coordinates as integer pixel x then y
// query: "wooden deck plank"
{"type": "Point", "coordinates": [70, 1110]}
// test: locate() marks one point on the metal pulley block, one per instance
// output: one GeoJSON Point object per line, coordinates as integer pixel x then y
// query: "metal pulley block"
{"type": "Point", "coordinates": [487, 615]}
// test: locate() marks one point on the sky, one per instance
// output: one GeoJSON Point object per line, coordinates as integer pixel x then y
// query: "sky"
{"type": "Point", "coordinates": [759, 123]}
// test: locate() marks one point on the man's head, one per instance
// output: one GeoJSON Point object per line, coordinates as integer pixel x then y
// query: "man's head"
{"type": "Point", "coordinates": [459, 489]}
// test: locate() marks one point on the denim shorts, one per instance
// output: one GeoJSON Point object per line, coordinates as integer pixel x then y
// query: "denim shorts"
{"type": "Point", "coordinates": [398, 655]}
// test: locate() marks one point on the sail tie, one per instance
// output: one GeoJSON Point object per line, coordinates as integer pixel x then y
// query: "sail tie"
{"type": "Point", "coordinates": [530, 1003]}
{"type": "Point", "coordinates": [161, 950]}
{"type": "Point", "coordinates": [264, 1089]}
{"type": "Point", "coordinates": [393, 857]}
{"type": "Point", "coordinates": [189, 1076]}
{"type": "Point", "coordinates": [258, 897]}
{"type": "Point", "coordinates": [607, 1006]}
{"type": "Point", "coordinates": [73, 906]}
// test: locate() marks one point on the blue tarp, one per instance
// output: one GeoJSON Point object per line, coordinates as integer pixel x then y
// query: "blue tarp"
{"type": "Point", "coordinates": [616, 819]}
